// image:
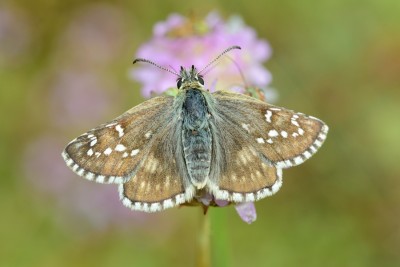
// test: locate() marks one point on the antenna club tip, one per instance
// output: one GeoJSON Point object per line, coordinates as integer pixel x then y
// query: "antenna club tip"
{"type": "Point", "coordinates": [233, 47]}
{"type": "Point", "coordinates": [136, 60]}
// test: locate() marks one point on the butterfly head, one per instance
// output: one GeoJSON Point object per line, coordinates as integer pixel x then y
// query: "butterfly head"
{"type": "Point", "coordinates": [190, 78]}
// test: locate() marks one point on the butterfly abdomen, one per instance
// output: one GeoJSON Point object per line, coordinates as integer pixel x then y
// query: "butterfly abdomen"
{"type": "Point", "coordinates": [196, 137]}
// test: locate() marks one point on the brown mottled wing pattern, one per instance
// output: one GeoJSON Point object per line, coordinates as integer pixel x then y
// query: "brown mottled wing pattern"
{"type": "Point", "coordinates": [253, 141]}
{"type": "Point", "coordinates": [161, 182]}
{"type": "Point", "coordinates": [114, 151]}
{"type": "Point", "coordinates": [142, 151]}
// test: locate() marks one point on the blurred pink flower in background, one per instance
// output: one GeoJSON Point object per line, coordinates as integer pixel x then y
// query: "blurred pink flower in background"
{"type": "Point", "coordinates": [190, 41]}
{"type": "Point", "coordinates": [15, 35]}
{"type": "Point", "coordinates": [80, 98]}
{"type": "Point", "coordinates": [95, 35]}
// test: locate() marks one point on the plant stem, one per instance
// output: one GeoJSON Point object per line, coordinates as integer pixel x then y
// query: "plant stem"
{"type": "Point", "coordinates": [221, 253]}
{"type": "Point", "coordinates": [204, 258]}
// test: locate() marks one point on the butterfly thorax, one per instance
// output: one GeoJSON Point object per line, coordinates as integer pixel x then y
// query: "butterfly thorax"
{"type": "Point", "coordinates": [195, 110]}
{"type": "Point", "coordinates": [196, 134]}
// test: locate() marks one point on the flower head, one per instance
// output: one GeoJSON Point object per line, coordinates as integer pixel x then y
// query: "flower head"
{"type": "Point", "coordinates": [181, 41]}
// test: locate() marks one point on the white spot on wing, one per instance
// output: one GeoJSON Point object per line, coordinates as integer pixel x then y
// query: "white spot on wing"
{"type": "Point", "coordinates": [134, 152]}
{"type": "Point", "coordinates": [94, 141]}
{"type": "Point", "coordinates": [90, 152]}
{"type": "Point", "coordinates": [120, 148]}
{"type": "Point", "coordinates": [294, 122]}
{"type": "Point", "coordinates": [260, 140]}
{"type": "Point", "coordinates": [107, 151]}
{"type": "Point", "coordinates": [111, 124]}
{"type": "Point", "coordinates": [148, 134]}
{"type": "Point", "coordinates": [120, 130]}
{"type": "Point", "coordinates": [284, 134]}
{"type": "Point", "coordinates": [268, 116]}
{"type": "Point", "coordinates": [273, 133]}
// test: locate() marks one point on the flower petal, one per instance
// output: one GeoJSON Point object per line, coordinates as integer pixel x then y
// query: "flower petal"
{"type": "Point", "coordinates": [247, 211]}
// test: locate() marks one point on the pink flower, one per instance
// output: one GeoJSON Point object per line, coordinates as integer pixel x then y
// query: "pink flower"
{"type": "Point", "coordinates": [181, 41]}
{"type": "Point", "coordinates": [247, 211]}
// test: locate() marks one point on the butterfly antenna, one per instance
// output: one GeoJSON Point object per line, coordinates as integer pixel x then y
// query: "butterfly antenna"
{"type": "Point", "coordinates": [240, 71]}
{"type": "Point", "coordinates": [220, 55]}
{"type": "Point", "coordinates": [154, 64]}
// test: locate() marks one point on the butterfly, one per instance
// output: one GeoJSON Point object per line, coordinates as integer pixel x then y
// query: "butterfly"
{"type": "Point", "coordinates": [166, 150]}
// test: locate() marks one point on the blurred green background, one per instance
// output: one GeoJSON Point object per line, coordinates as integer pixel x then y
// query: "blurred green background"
{"type": "Point", "coordinates": [337, 60]}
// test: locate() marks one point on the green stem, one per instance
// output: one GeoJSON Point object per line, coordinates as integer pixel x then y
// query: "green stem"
{"type": "Point", "coordinates": [204, 258]}
{"type": "Point", "coordinates": [221, 255]}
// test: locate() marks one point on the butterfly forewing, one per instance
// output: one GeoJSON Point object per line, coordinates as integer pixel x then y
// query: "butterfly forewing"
{"type": "Point", "coordinates": [113, 152]}
{"type": "Point", "coordinates": [283, 137]}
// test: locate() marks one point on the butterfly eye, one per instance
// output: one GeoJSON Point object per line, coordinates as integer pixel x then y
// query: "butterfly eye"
{"type": "Point", "coordinates": [179, 83]}
{"type": "Point", "coordinates": [200, 79]}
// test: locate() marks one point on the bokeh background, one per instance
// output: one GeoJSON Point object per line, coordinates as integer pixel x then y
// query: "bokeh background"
{"type": "Point", "coordinates": [64, 69]}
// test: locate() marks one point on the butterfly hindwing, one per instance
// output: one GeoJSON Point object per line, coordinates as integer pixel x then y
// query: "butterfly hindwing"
{"type": "Point", "coordinates": [161, 181]}
{"type": "Point", "coordinates": [113, 152]}
{"type": "Point", "coordinates": [239, 172]}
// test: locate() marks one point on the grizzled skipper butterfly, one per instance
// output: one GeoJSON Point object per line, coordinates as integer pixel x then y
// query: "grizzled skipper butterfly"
{"type": "Point", "coordinates": [166, 150]}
